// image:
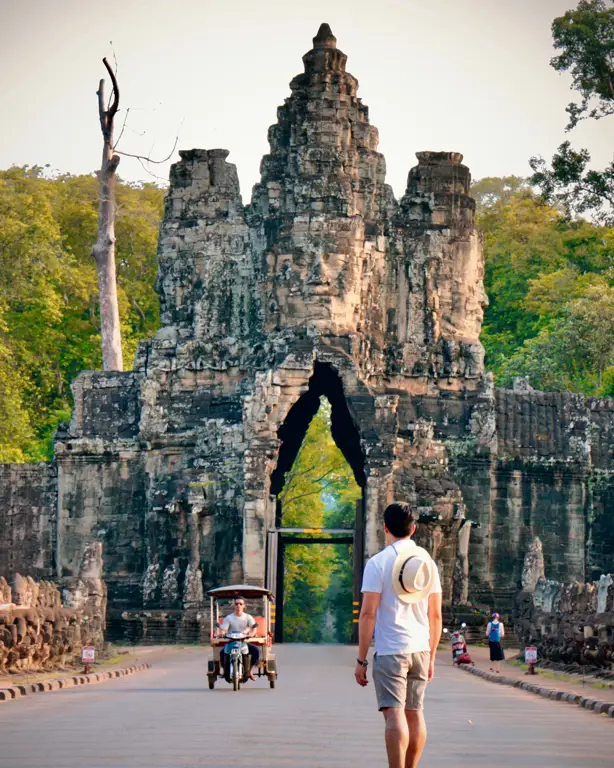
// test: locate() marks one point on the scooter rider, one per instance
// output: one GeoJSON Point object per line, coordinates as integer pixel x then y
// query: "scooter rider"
{"type": "Point", "coordinates": [239, 621]}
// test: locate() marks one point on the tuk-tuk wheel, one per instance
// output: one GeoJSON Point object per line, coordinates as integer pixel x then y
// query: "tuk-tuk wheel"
{"type": "Point", "coordinates": [272, 682]}
{"type": "Point", "coordinates": [211, 685]}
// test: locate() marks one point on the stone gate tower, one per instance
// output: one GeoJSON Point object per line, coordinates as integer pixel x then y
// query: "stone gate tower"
{"type": "Point", "coordinates": [323, 285]}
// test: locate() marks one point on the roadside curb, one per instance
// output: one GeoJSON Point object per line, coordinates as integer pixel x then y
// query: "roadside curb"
{"type": "Point", "coordinates": [18, 691]}
{"type": "Point", "coordinates": [593, 705]}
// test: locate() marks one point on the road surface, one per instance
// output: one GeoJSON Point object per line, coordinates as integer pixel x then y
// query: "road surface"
{"type": "Point", "coordinates": [317, 717]}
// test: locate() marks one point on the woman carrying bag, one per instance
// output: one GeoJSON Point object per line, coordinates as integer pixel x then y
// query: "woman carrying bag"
{"type": "Point", "coordinates": [495, 632]}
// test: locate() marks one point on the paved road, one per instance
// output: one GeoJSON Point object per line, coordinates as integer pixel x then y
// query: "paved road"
{"type": "Point", "coordinates": [316, 718]}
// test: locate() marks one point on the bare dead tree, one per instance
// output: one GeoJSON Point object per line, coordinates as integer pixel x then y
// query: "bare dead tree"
{"type": "Point", "coordinates": [104, 248]}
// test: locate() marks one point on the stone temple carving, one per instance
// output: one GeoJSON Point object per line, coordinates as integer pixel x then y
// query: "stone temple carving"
{"type": "Point", "coordinates": [39, 631]}
{"type": "Point", "coordinates": [605, 582]}
{"type": "Point", "coordinates": [322, 285]}
{"type": "Point", "coordinates": [533, 567]}
{"type": "Point", "coordinates": [570, 623]}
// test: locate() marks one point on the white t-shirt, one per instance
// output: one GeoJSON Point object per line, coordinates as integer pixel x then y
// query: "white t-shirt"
{"type": "Point", "coordinates": [399, 627]}
{"type": "Point", "coordinates": [234, 623]}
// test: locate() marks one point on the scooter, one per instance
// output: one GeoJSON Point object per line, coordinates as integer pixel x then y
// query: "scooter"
{"type": "Point", "coordinates": [460, 654]}
{"type": "Point", "coordinates": [237, 664]}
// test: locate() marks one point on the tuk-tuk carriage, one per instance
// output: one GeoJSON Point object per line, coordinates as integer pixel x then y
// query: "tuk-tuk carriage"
{"type": "Point", "coordinates": [238, 665]}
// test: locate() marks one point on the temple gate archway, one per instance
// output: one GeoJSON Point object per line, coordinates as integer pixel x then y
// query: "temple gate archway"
{"type": "Point", "coordinates": [324, 382]}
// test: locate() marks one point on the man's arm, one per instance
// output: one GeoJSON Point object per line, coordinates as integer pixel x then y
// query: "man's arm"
{"type": "Point", "coordinates": [366, 627]}
{"type": "Point", "coordinates": [222, 627]}
{"type": "Point", "coordinates": [435, 625]}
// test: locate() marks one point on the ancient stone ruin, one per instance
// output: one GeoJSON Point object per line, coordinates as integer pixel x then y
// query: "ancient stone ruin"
{"type": "Point", "coordinates": [571, 624]}
{"type": "Point", "coordinates": [323, 284]}
{"type": "Point", "coordinates": [43, 627]}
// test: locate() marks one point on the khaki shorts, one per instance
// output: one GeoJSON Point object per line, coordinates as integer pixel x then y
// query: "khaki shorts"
{"type": "Point", "coordinates": [400, 680]}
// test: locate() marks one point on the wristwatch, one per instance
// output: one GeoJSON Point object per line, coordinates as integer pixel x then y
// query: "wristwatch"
{"type": "Point", "coordinates": [364, 663]}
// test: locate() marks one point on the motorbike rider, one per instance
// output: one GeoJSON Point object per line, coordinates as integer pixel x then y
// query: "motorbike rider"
{"type": "Point", "coordinates": [239, 621]}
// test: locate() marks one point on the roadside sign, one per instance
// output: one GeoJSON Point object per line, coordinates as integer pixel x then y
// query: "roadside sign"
{"type": "Point", "coordinates": [88, 654]}
{"type": "Point", "coordinates": [530, 654]}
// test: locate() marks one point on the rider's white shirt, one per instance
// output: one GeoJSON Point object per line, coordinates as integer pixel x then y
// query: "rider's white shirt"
{"type": "Point", "coordinates": [399, 628]}
{"type": "Point", "coordinates": [234, 623]}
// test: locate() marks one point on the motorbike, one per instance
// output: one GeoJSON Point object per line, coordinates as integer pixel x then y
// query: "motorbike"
{"type": "Point", "coordinates": [237, 659]}
{"type": "Point", "coordinates": [460, 654]}
{"type": "Point", "coordinates": [237, 663]}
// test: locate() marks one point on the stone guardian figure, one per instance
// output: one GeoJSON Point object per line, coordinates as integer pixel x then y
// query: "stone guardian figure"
{"type": "Point", "coordinates": [533, 568]}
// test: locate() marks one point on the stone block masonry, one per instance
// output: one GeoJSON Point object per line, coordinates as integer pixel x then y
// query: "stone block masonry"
{"type": "Point", "coordinates": [322, 285]}
{"type": "Point", "coordinates": [28, 509]}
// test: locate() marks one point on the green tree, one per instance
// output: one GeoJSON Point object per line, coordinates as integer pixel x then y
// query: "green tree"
{"type": "Point", "coordinates": [317, 492]}
{"type": "Point", "coordinates": [15, 428]}
{"type": "Point", "coordinates": [342, 515]}
{"type": "Point", "coordinates": [584, 38]}
{"type": "Point", "coordinates": [575, 351]}
{"type": "Point", "coordinates": [537, 263]}
{"type": "Point", "coordinates": [49, 327]}
{"type": "Point", "coordinates": [522, 240]}
{"type": "Point", "coordinates": [490, 190]}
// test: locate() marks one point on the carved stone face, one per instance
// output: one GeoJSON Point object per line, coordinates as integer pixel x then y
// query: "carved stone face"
{"type": "Point", "coordinates": [316, 289]}
{"type": "Point", "coordinates": [315, 276]}
{"type": "Point", "coordinates": [20, 591]}
{"type": "Point", "coordinates": [91, 562]}
{"type": "Point", "coordinates": [462, 296]}
{"type": "Point", "coordinates": [75, 595]}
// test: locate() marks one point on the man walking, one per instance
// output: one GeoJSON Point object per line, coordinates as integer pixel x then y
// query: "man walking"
{"type": "Point", "coordinates": [402, 604]}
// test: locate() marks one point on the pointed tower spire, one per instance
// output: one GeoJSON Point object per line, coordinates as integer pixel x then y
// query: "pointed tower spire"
{"type": "Point", "coordinates": [323, 156]}
{"type": "Point", "coordinates": [325, 56]}
{"type": "Point", "coordinates": [324, 38]}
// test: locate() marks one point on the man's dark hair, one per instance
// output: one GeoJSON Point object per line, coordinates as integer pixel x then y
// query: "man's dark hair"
{"type": "Point", "coordinates": [400, 518]}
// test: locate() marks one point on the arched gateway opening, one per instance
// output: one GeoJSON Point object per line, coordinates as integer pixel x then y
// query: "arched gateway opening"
{"type": "Point", "coordinates": [316, 550]}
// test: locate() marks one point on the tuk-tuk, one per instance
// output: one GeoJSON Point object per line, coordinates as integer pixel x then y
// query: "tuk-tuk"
{"type": "Point", "coordinates": [263, 638]}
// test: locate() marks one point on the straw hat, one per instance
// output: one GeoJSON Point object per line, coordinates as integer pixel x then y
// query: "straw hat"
{"type": "Point", "coordinates": [413, 573]}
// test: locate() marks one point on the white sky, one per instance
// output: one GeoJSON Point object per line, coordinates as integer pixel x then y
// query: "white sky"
{"type": "Point", "coordinates": [465, 75]}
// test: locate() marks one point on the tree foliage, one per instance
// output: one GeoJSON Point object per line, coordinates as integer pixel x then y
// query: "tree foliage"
{"type": "Point", "coordinates": [575, 187]}
{"type": "Point", "coordinates": [320, 491]}
{"type": "Point", "coordinates": [493, 190]}
{"type": "Point", "coordinates": [584, 38]}
{"type": "Point", "coordinates": [574, 351]}
{"type": "Point", "coordinates": [549, 282]}
{"type": "Point", "coordinates": [49, 323]}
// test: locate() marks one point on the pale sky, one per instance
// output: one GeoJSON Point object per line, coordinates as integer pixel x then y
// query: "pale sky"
{"type": "Point", "coordinates": [466, 75]}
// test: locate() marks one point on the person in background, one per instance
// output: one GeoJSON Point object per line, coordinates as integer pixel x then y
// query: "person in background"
{"type": "Point", "coordinates": [495, 632]}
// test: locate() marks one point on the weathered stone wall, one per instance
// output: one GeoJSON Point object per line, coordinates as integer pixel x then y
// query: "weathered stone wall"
{"type": "Point", "coordinates": [549, 472]}
{"type": "Point", "coordinates": [570, 623]}
{"type": "Point", "coordinates": [28, 507]}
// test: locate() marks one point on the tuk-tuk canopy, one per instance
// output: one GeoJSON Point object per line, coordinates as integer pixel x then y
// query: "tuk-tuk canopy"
{"type": "Point", "coordinates": [240, 590]}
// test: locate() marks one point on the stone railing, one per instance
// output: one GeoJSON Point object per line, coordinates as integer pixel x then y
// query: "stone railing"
{"type": "Point", "coordinates": [569, 623]}
{"type": "Point", "coordinates": [44, 625]}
